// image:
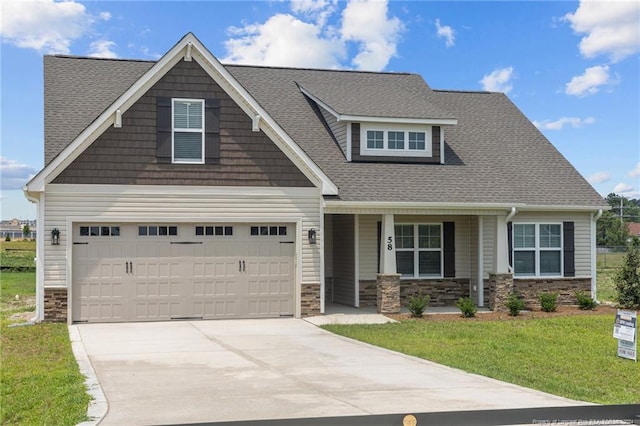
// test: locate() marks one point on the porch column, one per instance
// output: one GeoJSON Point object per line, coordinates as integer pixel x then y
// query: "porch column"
{"type": "Point", "coordinates": [501, 247]}
{"type": "Point", "coordinates": [501, 279]}
{"type": "Point", "coordinates": [388, 280]}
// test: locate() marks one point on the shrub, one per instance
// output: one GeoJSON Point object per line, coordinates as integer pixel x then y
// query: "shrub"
{"type": "Point", "coordinates": [467, 307]}
{"type": "Point", "coordinates": [7, 238]}
{"type": "Point", "coordinates": [628, 277]}
{"type": "Point", "coordinates": [418, 304]}
{"type": "Point", "coordinates": [515, 304]}
{"type": "Point", "coordinates": [548, 301]}
{"type": "Point", "coordinates": [585, 302]}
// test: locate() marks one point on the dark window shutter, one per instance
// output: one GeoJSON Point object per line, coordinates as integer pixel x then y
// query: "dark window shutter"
{"type": "Point", "coordinates": [212, 131]}
{"type": "Point", "coordinates": [163, 128]}
{"type": "Point", "coordinates": [510, 242]}
{"type": "Point", "coordinates": [379, 242]}
{"type": "Point", "coordinates": [569, 249]}
{"type": "Point", "coordinates": [449, 240]}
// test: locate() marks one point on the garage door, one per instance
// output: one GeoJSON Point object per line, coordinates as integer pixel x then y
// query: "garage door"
{"type": "Point", "coordinates": [158, 272]}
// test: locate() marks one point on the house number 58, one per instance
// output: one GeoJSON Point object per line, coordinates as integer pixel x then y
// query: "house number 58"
{"type": "Point", "coordinates": [389, 243]}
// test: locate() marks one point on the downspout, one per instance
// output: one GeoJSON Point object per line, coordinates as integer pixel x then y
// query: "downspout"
{"type": "Point", "coordinates": [594, 255]}
{"type": "Point", "coordinates": [39, 259]}
{"type": "Point", "coordinates": [506, 221]}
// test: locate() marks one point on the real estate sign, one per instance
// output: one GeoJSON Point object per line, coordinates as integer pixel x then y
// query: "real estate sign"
{"type": "Point", "coordinates": [625, 330]}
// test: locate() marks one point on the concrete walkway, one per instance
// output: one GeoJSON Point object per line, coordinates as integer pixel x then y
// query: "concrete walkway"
{"type": "Point", "coordinates": [207, 371]}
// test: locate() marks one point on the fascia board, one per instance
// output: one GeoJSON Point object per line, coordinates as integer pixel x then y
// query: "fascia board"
{"type": "Point", "coordinates": [251, 107]}
{"type": "Point", "coordinates": [339, 205]}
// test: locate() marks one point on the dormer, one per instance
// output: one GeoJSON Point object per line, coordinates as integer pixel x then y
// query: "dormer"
{"type": "Point", "coordinates": [387, 118]}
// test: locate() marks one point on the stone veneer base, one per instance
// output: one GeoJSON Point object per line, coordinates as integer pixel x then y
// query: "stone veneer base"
{"type": "Point", "coordinates": [310, 299]}
{"type": "Point", "coordinates": [55, 304]}
{"type": "Point", "coordinates": [388, 293]}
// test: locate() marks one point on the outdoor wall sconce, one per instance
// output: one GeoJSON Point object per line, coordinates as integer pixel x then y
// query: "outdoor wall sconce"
{"type": "Point", "coordinates": [55, 237]}
{"type": "Point", "coordinates": [312, 236]}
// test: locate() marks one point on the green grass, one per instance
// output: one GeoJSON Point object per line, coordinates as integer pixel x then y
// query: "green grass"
{"type": "Point", "coordinates": [40, 381]}
{"type": "Point", "coordinates": [17, 253]}
{"type": "Point", "coordinates": [606, 265]}
{"type": "Point", "coordinates": [574, 357]}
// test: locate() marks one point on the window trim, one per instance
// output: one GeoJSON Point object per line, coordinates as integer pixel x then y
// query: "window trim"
{"type": "Point", "coordinates": [201, 131]}
{"type": "Point", "coordinates": [416, 250]}
{"type": "Point", "coordinates": [537, 249]}
{"type": "Point", "coordinates": [403, 128]}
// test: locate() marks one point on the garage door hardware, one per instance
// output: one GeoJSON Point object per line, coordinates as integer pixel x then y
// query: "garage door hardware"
{"type": "Point", "coordinates": [79, 243]}
{"type": "Point", "coordinates": [241, 266]}
{"type": "Point", "coordinates": [186, 242]}
{"type": "Point", "coordinates": [129, 266]}
{"type": "Point", "coordinates": [286, 242]}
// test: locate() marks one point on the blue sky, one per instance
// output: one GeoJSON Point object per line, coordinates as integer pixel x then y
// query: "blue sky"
{"type": "Point", "coordinates": [572, 67]}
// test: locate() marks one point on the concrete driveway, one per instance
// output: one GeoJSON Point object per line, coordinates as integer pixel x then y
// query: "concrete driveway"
{"type": "Point", "coordinates": [207, 371]}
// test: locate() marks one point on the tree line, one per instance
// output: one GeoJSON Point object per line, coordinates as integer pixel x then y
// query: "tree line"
{"type": "Point", "coordinates": [613, 226]}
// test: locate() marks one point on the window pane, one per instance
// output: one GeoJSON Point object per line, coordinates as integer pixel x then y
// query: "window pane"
{"type": "Point", "coordinates": [429, 236]}
{"type": "Point", "coordinates": [396, 140]}
{"type": "Point", "coordinates": [429, 262]}
{"type": "Point", "coordinates": [254, 230]}
{"type": "Point", "coordinates": [162, 230]}
{"type": "Point", "coordinates": [524, 236]}
{"type": "Point", "coordinates": [187, 146]}
{"type": "Point", "coordinates": [95, 231]}
{"type": "Point", "coordinates": [153, 230]}
{"type": "Point", "coordinates": [199, 230]}
{"type": "Point", "coordinates": [264, 230]}
{"type": "Point", "coordinates": [105, 231]}
{"type": "Point", "coordinates": [282, 230]}
{"type": "Point", "coordinates": [416, 140]}
{"type": "Point", "coordinates": [404, 262]}
{"type": "Point", "coordinates": [550, 236]}
{"type": "Point", "coordinates": [173, 230]}
{"type": "Point", "coordinates": [84, 231]}
{"type": "Point", "coordinates": [228, 230]}
{"type": "Point", "coordinates": [142, 230]}
{"type": "Point", "coordinates": [115, 231]}
{"type": "Point", "coordinates": [524, 262]}
{"type": "Point", "coordinates": [404, 236]}
{"type": "Point", "coordinates": [209, 230]}
{"type": "Point", "coordinates": [375, 139]}
{"type": "Point", "coordinates": [187, 115]}
{"type": "Point", "coordinates": [550, 262]}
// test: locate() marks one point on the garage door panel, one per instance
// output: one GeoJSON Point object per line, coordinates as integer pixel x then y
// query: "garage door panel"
{"type": "Point", "coordinates": [146, 278]}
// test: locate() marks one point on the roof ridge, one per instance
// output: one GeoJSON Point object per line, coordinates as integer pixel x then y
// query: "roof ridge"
{"type": "Point", "coordinates": [482, 92]}
{"type": "Point", "coordinates": [318, 69]}
{"type": "Point", "coordinates": [100, 59]}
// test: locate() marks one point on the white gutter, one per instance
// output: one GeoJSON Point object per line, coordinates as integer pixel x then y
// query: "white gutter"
{"type": "Point", "coordinates": [594, 254]}
{"type": "Point", "coordinates": [391, 205]}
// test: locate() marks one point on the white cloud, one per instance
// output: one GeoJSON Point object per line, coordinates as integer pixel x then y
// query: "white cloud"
{"type": "Point", "coordinates": [558, 124]}
{"type": "Point", "coordinates": [105, 16]}
{"type": "Point", "coordinates": [305, 39]}
{"type": "Point", "coordinates": [446, 32]}
{"type": "Point", "coordinates": [635, 172]}
{"type": "Point", "coordinates": [13, 174]}
{"type": "Point", "coordinates": [622, 188]}
{"type": "Point", "coordinates": [283, 40]}
{"type": "Point", "coordinates": [589, 83]}
{"type": "Point", "coordinates": [611, 28]}
{"type": "Point", "coordinates": [599, 177]}
{"type": "Point", "coordinates": [44, 25]}
{"type": "Point", "coordinates": [366, 23]}
{"type": "Point", "coordinates": [102, 49]}
{"type": "Point", "coordinates": [498, 81]}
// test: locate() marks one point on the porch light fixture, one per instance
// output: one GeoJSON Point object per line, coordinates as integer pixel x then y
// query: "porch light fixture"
{"type": "Point", "coordinates": [55, 237]}
{"type": "Point", "coordinates": [312, 236]}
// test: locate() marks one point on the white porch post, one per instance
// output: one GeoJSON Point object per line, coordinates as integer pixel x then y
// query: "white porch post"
{"type": "Point", "coordinates": [480, 261]}
{"type": "Point", "coordinates": [501, 254]}
{"type": "Point", "coordinates": [388, 246]}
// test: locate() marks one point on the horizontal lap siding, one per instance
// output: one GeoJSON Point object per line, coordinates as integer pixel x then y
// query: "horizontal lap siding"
{"type": "Point", "coordinates": [369, 246]}
{"type": "Point", "coordinates": [172, 206]}
{"type": "Point", "coordinates": [582, 234]}
{"type": "Point", "coordinates": [127, 155]}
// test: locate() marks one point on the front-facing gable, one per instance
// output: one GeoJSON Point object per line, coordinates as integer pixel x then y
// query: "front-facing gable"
{"type": "Point", "coordinates": [131, 155]}
{"type": "Point", "coordinates": [188, 49]}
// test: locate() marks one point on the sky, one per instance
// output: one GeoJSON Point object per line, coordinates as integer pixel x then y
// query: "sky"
{"type": "Point", "coordinates": [572, 67]}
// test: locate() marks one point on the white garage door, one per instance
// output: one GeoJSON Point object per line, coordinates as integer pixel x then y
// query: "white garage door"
{"type": "Point", "coordinates": [157, 272]}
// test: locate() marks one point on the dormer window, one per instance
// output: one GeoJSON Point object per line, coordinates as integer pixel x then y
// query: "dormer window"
{"type": "Point", "coordinates": [406, 140]}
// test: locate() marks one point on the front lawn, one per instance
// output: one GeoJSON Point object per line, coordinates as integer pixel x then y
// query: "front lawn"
{"type": "Point", "coordinates": [570, 356]}
{"type": "Point", "coordinates": [40, 382]}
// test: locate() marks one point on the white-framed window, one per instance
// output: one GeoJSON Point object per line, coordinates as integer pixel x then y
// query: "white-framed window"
{"type": "Point", "coordinates": [218, 230]}
{"type": "Point", "coordinates": [408, 140]}
{"type": "Point", "coordinates": [157, 231]}
{"type": "Point", "coordinates": [419, 249]}
{"type": "Point", "coordinates": [100, 231]}
{"type": "Point", "coordinates": [187, 130]}
{"type": "Point", "coordinates": [537, 249]}
{"type": "Point", "coordinates": [267, 230]}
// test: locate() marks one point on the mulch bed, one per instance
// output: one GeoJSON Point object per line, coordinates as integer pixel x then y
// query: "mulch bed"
{"type": "Point", "coordinates": [562, 311]}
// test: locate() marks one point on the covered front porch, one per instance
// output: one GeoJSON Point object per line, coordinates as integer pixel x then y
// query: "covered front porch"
{"type": "Point", "coordinates": [379, 259]}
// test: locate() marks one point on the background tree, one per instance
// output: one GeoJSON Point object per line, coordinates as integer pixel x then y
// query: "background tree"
{"type": "Point", "coordinates": [612, 229]}
{"type": "Point", "coordinates": [628, 277]}
{"type": "Point", "coordinates": [26, 230]}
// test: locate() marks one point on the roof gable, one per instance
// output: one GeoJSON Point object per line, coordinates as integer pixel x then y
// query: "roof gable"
{"type": "Point", "coordinates": [188, 48]}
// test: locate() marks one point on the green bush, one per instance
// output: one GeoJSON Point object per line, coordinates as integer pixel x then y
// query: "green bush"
{"type": "Point", "coordinates": [585, 302]}
{"type": "Point", "coordinates": [467, 307]}
{"type": "Point", "coordinates": [548, 301]}
{"type": "Point", "coordinates": [515, 304]}
{"type": "Point", "coordinates": [7, 238]}
{"type": "Point", "coordinates": [418, 304]}
{"type": "Point", "coordinates": [628, 277]}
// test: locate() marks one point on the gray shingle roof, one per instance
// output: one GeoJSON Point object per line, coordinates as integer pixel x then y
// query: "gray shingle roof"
{"type": "Point", "coordinates": [494, 154]}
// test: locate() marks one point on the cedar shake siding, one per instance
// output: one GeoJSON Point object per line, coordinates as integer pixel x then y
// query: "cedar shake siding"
{"type": "Point", "coordinates": [356, 157]}
{"type": "Point", "coordinates": [128, 155]}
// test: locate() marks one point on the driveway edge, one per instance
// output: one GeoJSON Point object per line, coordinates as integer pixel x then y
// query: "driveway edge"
{"type": "Point", "coordinates": [98, 406]}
